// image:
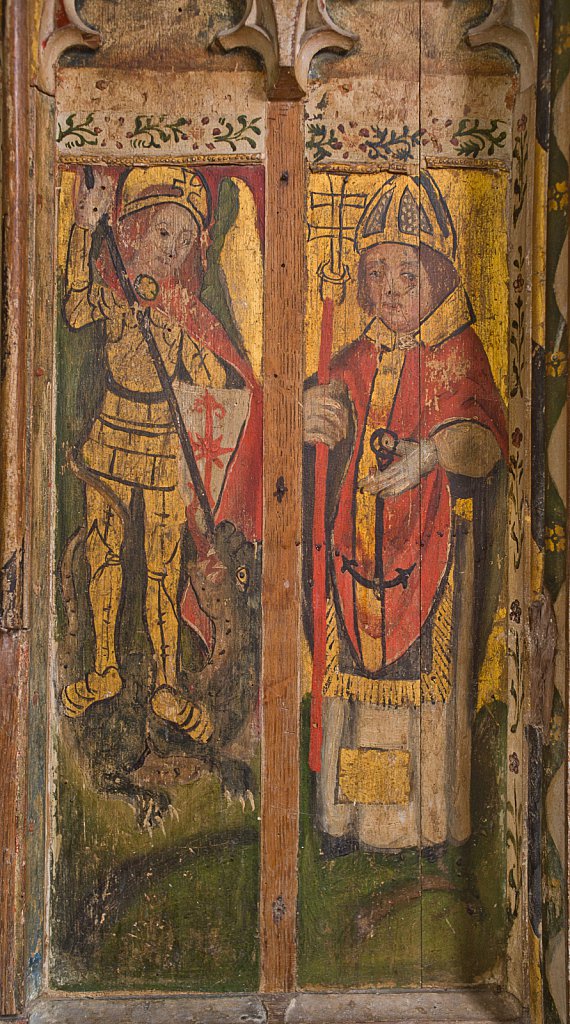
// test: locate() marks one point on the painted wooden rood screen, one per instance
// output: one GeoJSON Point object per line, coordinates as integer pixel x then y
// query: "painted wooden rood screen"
{"type": "Point", "coordinates": [283, 593]}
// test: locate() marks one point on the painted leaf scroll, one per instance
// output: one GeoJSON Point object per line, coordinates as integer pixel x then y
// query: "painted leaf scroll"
{"type": "Point", "coordinates": [159, 428]}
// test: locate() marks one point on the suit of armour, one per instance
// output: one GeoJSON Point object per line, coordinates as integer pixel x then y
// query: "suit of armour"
{"type": "Point", "coordinates": [133, 443]}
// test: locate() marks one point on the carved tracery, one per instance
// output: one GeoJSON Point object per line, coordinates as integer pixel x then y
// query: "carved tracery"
{"type": "Point", "coordinates": [511, 24]}
{"type": "Point", "coordinates": [61, 28]}
{"type": "Point", "coordinates": [286, 45]}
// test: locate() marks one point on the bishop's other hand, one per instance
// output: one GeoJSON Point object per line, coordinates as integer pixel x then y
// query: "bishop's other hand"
{"type": "Point", "coordinates": [413, 460]}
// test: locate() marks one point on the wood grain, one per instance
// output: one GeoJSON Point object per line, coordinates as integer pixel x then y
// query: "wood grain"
{"type": "Point", "coordinates": [282, 447]}
{"type": "Point", "coordinates": [15, 160]}
{"type": "Point", "coordinates": [461, 1006]}
{"type": "Point", "coordinates": [13, 690]}
{"type": "Point", "coordinates": [13, 412]}
{"type": "Point", "coordinates": [158, 1009]}
{"type": "Point", "coordinates": [41, 475]}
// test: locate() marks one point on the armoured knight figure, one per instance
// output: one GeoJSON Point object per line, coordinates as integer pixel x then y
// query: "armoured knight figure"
{"type": "Point", "coordinates": [161, 215]}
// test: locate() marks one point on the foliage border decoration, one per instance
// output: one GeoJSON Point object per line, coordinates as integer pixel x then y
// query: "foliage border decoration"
{"type": "Point", "coordinates": [156, 131]}
{"type": "Point", "coordinates": [470, 138]}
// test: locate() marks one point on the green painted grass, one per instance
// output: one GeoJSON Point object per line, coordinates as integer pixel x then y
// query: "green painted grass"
{"type": "Point", "coordinates": [446, 938]}
{"type": "Point", "coordinates": [180, 908]}
{"type": "Point", "coordinates": [184, 915]}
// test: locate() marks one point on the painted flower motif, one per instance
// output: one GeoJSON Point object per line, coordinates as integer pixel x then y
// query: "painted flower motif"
{"type": "Point", "coordinates": [555, 538]}
{"type": "Point", "coordinates": [522, 123]}
{"type": "Point", "coordinates": [518, 283]}
{"type": "Point", "coordinates": [515, 612]}
{"type": "Point", "coordinates": [558, 196]}
{"type": "Point", "coordinates": [514, 763]}
{"type": "Point", "coordinates": [556, 364]}
{"type": "Point", "coordinates": [516, 437]}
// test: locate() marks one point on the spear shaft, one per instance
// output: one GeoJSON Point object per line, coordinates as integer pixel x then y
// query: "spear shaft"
{"type": "Point", "coordinates": [143, 322]}
{"type": "Point", "coordinates": [333, 276]}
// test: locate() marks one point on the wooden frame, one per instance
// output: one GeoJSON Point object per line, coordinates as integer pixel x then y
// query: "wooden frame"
{"type": "Point", "coordinates": [27, 405]}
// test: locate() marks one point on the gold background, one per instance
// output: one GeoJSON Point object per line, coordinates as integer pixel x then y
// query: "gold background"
{"type": "Point", "coordinates": [477, 201]}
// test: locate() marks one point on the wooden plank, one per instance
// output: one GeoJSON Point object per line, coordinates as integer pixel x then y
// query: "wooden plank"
{"type": "Point", "coordinates": [204, 854]}
{"type": "Point", "coordinates": [283, 376]}
{"type": "Point", "coordinates": [463, 1006]}
{"type": "Point", "coordinates": [15, 177]}
{"type": "Point", "coordinates": [370, 1007]}
{"type": "Point", "coordinates": [41, 476]}
{"type": "Point", "coordinates": [13, 410]}
{"type": "Point", "coordinates": [467, 772]}
{"type": "Point", "coordinates": [360, 901]}
{"type": "Point", "coordinates": [13, 690]}
{"type": "Point", "coordinates": [158, 1009]}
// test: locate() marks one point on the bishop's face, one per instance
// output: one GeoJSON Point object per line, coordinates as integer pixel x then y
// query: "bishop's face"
{"type": "Point", "coordinates": [393, 287]}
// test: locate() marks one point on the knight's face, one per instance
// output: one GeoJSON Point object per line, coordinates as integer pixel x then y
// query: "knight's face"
{"type": "Point", "coordinates": [393, 287]}
{"type": "Point", "coordinates": [166, 235]}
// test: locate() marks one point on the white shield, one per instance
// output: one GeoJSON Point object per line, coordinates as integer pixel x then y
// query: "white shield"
{"type": "Point", "coordinates": [215, 419]}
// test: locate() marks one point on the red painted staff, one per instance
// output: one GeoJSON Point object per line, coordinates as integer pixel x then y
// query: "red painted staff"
{"type": "Point", "coordinates": [333, 276]}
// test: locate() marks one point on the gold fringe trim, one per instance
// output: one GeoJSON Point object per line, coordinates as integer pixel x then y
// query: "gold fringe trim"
{"type": "Point", "coordinates": [432, 687]}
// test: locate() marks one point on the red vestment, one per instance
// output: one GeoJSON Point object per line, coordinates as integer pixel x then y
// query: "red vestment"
{"type": "Point", "coordinates": [439, 385]}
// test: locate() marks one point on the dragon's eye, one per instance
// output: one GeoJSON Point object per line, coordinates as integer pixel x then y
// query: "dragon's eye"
{"type": "Point", "coordinates": [242, 577]}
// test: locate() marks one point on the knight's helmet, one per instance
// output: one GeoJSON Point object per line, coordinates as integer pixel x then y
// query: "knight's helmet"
{"type": "Point", "coordinates": [143, 187]}
{"type": "Point", "coordinates": [408, 209]}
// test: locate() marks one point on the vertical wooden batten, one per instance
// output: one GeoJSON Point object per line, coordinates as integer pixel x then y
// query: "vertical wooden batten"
{"type": "Point", "coordinates": [282, 448]}
{"type": "Point", "coordinates": [13, 504]}
{"type": "Point", "coordinates": [286, 36]}
{"type": "Point", "coordinates": [15, 193]}
{"type": "Point", "coordinates": [41, 577]}
{"type": "Point", "coordinates": [13, 747]}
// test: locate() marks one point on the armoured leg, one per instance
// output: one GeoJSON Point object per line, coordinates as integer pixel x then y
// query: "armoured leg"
{"type": "Point", "coordinates": [164, 516]}
{"type": "Point", "coordinates": [104, 539]}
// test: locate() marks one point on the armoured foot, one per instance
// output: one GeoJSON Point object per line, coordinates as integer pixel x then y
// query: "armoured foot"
{"type": "Point", "coordinates": [192, 718]}
{"type": "Point", "coordinates": [77, 697]}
